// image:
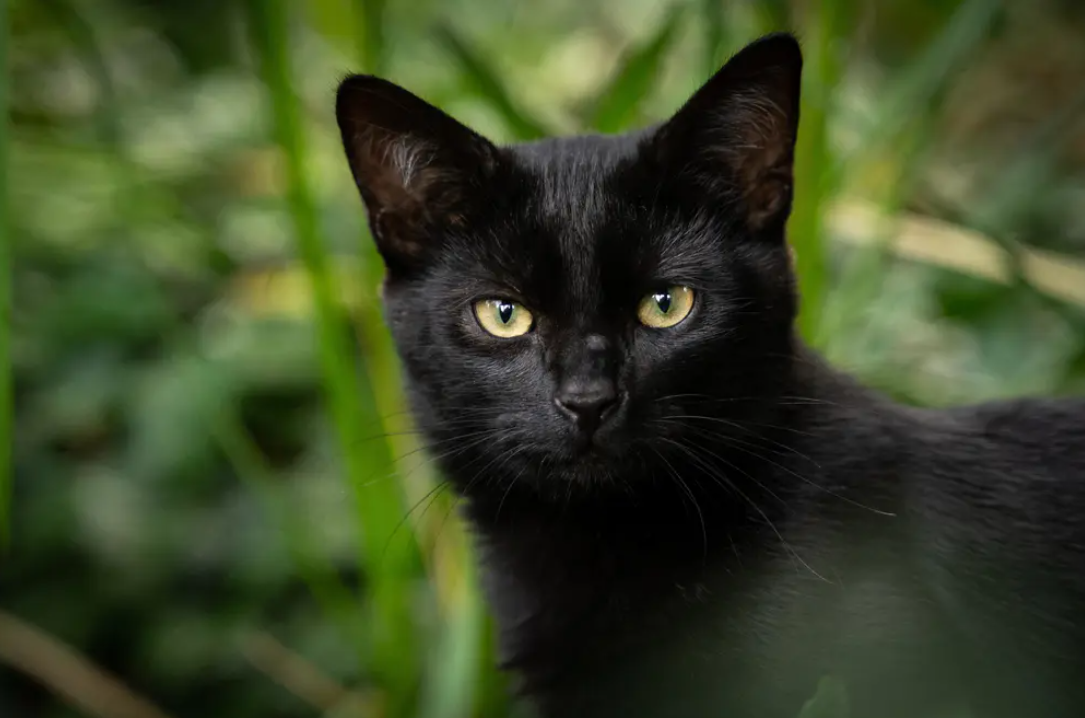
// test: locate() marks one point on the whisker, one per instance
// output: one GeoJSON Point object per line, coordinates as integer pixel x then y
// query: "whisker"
{"type": "Point", "coordinates": [431, 495]}
{"type": "Point", "coordinates": [428, 448]}
{"type": "Point", "coordinates": [689, 492]}
{"type": "Point", "coordinates": [740, 427]}
{"type": "Point", "coordinates": [467, 489]}
{"type": "Point", "coordinates": [715, 475]}
{"type": "Point", "coordinates": [817, 486]}
{"type": "Point", "coordinates": [508, 489]}
{"type": "Point", "coordinates": [783, 399]}
{"type": "Point", "coordinates": [717, 436]}
{"type": "Point", "coordinates": [732, 466]}
{"type": "Point", "coordinates": [738, 444]}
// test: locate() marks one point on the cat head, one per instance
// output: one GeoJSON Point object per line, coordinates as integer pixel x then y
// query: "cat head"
{"type": "Point", "coordinates": [576, 312]}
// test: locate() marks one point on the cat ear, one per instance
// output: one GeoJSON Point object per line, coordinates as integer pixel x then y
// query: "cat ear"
{"type": "Point", "coordinates": [737, 134]}
{"type": "Point", "coordinates": [416, 168]}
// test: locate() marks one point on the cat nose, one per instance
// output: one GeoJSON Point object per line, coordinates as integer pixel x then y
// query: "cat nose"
{"type": "Point", "coordinates": [587, 405]}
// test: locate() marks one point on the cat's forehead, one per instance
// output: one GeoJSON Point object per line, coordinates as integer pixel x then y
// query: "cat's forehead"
{"type": "Point", "coordinates": [569, 210]}
{"type": "Point", "coordinates": [570, 176]}
{"type": "Point", "coordinates": [557, 153]}
{"type": "Point", "coordinates": [585, 227]}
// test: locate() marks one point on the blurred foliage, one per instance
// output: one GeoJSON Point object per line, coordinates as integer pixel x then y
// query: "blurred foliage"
{"type": "Point", "coordinates": [5, 305]}
{"type": "Point", "coordinates": [218, 497]}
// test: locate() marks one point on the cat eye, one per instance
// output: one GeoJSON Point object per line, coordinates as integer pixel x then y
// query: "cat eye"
{"type": "Point", "coordinates": [503, 318]}
{"type": "Point", "coordinates": [661, 310]}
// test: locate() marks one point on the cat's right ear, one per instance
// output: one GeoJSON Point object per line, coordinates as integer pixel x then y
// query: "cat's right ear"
{"type": "Point", "coordinates": [416, 168]}
{"type": "Point", "coordinates": [737, 133]}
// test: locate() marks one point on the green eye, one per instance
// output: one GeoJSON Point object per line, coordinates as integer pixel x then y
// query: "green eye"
{"type": "Point", "coordinates": [660, 310]}
{"type": "Point", "coordinates": [503, 318]}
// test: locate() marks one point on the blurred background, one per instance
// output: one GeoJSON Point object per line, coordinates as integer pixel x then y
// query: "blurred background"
{"type": "Point", "coordinates": [218, 507]}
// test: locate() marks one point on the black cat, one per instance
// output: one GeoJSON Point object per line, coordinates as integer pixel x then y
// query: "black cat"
{"type": "Point", "coordinates": [682, 511]}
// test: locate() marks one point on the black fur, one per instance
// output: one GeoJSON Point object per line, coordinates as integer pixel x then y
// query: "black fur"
{"type": "Point", "coordinates": [746, 519]}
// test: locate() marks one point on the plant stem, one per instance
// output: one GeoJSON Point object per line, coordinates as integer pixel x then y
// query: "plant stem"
{"type": "Point", "coordinates": [369, 34]}
{"type": "Point", "coordinates": [378, 504]}
{"type": "Point", "coordinates": [823, 32]}
{"type": "Point", "coordinates": [6, 468]}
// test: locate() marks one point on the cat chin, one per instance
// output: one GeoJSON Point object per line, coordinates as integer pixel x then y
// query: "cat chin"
{"type": "Point", "coordinates": [592, 469]}
{"type": "Point", "coordinates": [560, 475]}
{"type": "Point", "coordinates": [565, 484]}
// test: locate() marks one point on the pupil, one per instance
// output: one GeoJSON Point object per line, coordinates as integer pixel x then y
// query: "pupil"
{"type": "Point", "coordinates": [663, 300]}
{"type": "Point", "coordinates": [504, 312]}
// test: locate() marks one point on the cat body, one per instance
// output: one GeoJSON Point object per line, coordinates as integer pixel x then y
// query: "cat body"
{"type": "Point", "coordinates": [863, 569]}
{"type": "Point", "coordinates": [682, 511]}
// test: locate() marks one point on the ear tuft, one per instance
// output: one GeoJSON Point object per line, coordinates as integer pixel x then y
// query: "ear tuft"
{"type": "Point", "coordinates": [737, 133]}
{"type": "Point", "coordinates": [416, 168]}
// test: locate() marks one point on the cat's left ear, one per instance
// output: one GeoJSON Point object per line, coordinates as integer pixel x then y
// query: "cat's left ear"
{"type": "Point", "coordinates": [418, 170]}
{"type": "Point", "coordinates": [736, 135]}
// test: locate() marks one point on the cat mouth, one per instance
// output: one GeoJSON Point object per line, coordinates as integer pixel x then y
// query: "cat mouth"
{"type": "Point", "coordinates": [584, 444]}
{"type": "Point", "coordinates": [597, 437]}
{"type": "Point", "coordinates": [597, 448]}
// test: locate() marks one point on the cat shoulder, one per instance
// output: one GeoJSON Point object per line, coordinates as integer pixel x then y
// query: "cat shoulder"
{"type": "Point", "coordinates": [1052, 425]}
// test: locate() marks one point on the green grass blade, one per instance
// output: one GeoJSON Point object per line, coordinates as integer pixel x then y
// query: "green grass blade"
{"type": "Point", "coordinates": [1001, 212]}
{"type": "Point", "coordinates": [6, 468]}
{"type": "Point", "coordinates": [455, 681]}
{"type": "Point", "coordinates": [378, 503]}
{"type": "Point", "coordinates": [457, 676]}
{"type": "Point", "coordinates": [228, 432]}
{"type": "Point", "coordinates": [619, 105]}
{"type": "Point", "coordinates": [79, 31]}
{"type": "Point", "coordinates": [369, 34]}
{"type": "Point", "coordinates": [712, 23]}
{"type": "Point", "coordinates": [899, 137]}
{"type": "Point", "coordinates": [862, 276]}
{"type": "Point", "coordinates": [1027, 176]}
{"type": "Point", "coordinates": [823, 36]}
{"type": "Point", "coordinates": [488, 85]}
{"type": "Point", "coordinates": [919, 87]}
{"type": "Point", "coordinates": [775, 15]}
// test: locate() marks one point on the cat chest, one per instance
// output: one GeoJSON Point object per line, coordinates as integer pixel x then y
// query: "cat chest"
{"type": "Point", "coordinates": [715, 640]}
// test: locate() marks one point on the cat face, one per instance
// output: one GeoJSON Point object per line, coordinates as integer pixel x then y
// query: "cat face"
{"type": "Point", "coordinates": [580, 311]}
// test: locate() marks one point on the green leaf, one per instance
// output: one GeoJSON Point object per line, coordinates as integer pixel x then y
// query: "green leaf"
{"type": "Point", "coordinates": [901, 131]}
{"type": "Point", "coordinates": [199, 31]}
{"type": "Point", "coordinates": [920, 86]}
{"type": "Point", "coordinates": [369, 34]}
{"type": "Point", "coordinates": [618, 106]}
{"type": "Point", "coordinates": [830, 701]}
{"type": "Point", "coordinates": [489, 86]}
{"type": "Point", "coordinates": [825, 34]}
{"type": "Point", "coordinates": [712, 24]}
{"type": "Point", "coordinates": [774, 15]}
{"type": "Point", "coordinates": [452, 691]}
{"type": "Point", "coordinates": [1027, 176]}
{"type": "Point", "coordinates": [1003, 209]}
{"type": "Point", "coordinates": [309, 560]}
{"type": "Point", "coordinates": [82, 36]}
{"type": "Point", "coordinates": [5, 297]}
